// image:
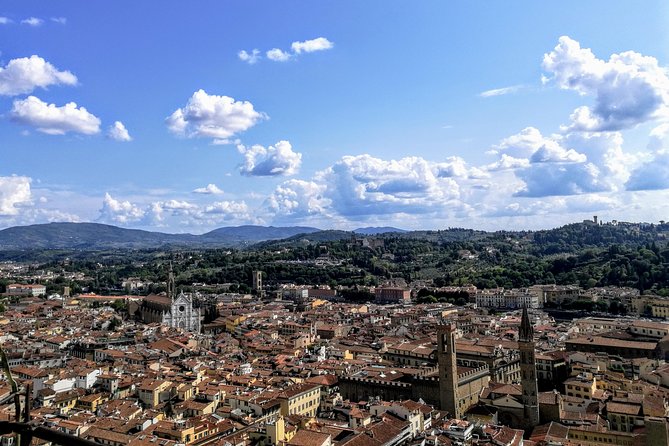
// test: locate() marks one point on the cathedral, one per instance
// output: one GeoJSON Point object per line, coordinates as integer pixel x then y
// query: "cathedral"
{"type": "Point", "coordinates": [173, 310]}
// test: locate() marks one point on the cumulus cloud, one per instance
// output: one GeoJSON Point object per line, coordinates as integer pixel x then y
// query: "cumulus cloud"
{"type": "Point", "coordinates": [117, 211]}
{"type": "Point", "coordinates": [54, 120]}
{"type": "Point", "coordinates": [278, 55]}
{"type": "Point", "coordinates": [309, 46]}
{"type": "Point", "coordinates": [543, 180]}
{"type": "Point", "coordinates": [364, 185]}
{"type": "Point", "coordinates": [5, 21]}
{"type": "Point", "coordinates": [209, 189]}
{"type": "Point", "coordinates": [629, 88]}
{"type": "Point", "coordinates": [227, 208]}
{"type": "Point", "coordinates": [249, 57]}
{"type": "Point", "coordinates": [14, 191]}
{"type": "Point", "coordinates": [158, 210]}
{"type": "Point", "coordinates": [500, 91]}
{"type": "Point", "coordinates": [569, 164]}
{"type": "Point", "coordinates": [118, 132]}
{"type": "Point", "coordinates": [24, 74]}
{"type": "Point", "coordinates": [277, 160]}
{"type": "Point", "coordinates": [211, 116]}
{"type": "Point", "coordinates": [552, 152]}
{"type": "Point", "coordinates": [653, 174]}
{"type": "Point", "coordinates": [456, 167]}
{"type": "Point", "coordinates": [507, 162]}
{"type": "Point", "coordinates": [32, 21]}
{"type": "Point", "coordinates": [298, 198]}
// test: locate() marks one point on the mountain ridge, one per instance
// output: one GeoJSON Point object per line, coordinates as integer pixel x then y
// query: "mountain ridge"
{"type": "Point", "coordinates": [95, 236]}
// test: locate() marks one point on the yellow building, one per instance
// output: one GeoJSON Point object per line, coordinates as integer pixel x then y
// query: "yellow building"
{"type": "Point", "coordinates": [583, 436]}
{"type": "Point", "coordinates": [65, 401]}
{"type": "Point", "coordinates": [300, 399]}
{"type": "Point", "coordinates": [92, 401]}
{"type": "Point", "coordinates": [231, 322]}
{"type": "Point", "coordinates": [153, 392]}
{"type": "Point", "coordinates": [582, 386]}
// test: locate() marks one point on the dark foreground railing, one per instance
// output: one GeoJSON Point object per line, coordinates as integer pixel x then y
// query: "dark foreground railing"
{"type": "Point", "coordinates": [27, 432]}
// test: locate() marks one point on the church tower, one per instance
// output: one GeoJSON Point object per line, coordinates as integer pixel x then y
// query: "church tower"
{"type": "Point", "coordinates": [528, 370]}
{"type": "Point", "coordinates": [448, 370]}
{"type": "Point", "coordinates": [170, 284]}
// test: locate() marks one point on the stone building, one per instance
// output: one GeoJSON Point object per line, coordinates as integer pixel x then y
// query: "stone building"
{"type": "Point", "coordinates": [528, 371]}
{"type": "Point", "coordinates": [170, 309]}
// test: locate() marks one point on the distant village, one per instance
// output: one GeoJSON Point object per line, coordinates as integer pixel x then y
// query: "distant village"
{"type": "Point", "coordinates": [299, 366]}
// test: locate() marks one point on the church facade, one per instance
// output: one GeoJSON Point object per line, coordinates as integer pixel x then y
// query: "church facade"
{"type": "Point", "coordinates": [173, 310]}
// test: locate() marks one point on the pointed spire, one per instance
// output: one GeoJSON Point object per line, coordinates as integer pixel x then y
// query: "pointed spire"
{"type": "Point", "coordinates": [525, 331]}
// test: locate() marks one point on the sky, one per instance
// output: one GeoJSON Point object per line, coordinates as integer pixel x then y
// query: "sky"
{"type": "Point", "coordinates": [185, 117]}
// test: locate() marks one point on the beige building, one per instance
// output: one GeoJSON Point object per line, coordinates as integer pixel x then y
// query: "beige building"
{"type": "Point", "coordinates": [153, 392]}
{"type": "Point", "coordinates": [300, 399]}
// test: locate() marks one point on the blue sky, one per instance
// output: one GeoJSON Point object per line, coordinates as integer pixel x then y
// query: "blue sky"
{"type": "Point", "coordinates": [340, 114]}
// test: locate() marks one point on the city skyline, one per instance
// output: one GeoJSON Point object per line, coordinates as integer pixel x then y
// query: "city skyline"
{"type": "Point", "coordinates": [333, 115]}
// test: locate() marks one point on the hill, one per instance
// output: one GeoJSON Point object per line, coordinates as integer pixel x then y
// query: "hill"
{"type": "Point", "coordinates": [375, 230]}
{"type": "Point", "coordinates": [96, 236]}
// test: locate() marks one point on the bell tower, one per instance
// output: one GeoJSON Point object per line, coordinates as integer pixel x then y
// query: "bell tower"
{"type": "Point", "coordinates": [170, 284]}
{"type": "Point", "coordinates": [528, 371]}
{"type": "Point", "coordinates": [448, 370]}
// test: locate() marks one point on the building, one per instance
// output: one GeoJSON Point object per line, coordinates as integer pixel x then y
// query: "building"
{"type": "Point", "coordinates": [300, 399]}
{"type": "Point", "coordinates": [528, 371]}
{"type": "Point", "coordinates": [173, 311]}
{"type": "Point", "coordinates": [392, 295]}
{"type": "Point", "coordinates": [256, 282]}
{"type": "Point", "coordinates": [448, 375]}
{"type": "Point", "coordinates": [18, 289]}
{"type": "Point", "coordinates": [501, 298]}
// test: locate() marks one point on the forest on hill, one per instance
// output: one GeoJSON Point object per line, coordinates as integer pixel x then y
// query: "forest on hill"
{"type": "Point", "coordinates": [589, 255]}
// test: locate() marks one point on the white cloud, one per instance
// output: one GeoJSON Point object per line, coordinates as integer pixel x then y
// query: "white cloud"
{"type": "Point", "coordinates": [249, 58]}
{"type": "Point", "coordinates": [209, 189]}
{"type": "Point", "coordinates": [14, 191]}
{"type": "Point", "coordinates": [277, 160]}
{"type": "Point", "coordinates": [456, 167]}
{"type": "Point", "coordinates": [653, 174]}
{"type": "Point", "coordinates": [629, 88]}
{"type": "Point", "coordinates": [500, 91]}
{"type": "Point", "coordinates": [298, 198]}
{"type": "Point", "coordinates": [278, 55]}
{"type": "Point", "coordinates": [118, 132]}
{"type": "Point", "coordinates": [542, 180]}
{"type": "Point", "coordinates": [32, 21]}
{"type": "Point", "coordinates": [59, 20]}
{"type": "Point", "coordinates": [5, 20]}
{"type": "Point", "coordinates": [507, 162]}
{"type": "Point", "coordinates": [552, 152]}
{"type": "Point", "coordinates": [122, 212]}
{"type": "Point", "coordinates": [659, 137]}
{"type": "Point", "coordinates": [157, 210]}
{"type": "Point", "coordinates": [211, 116]}
{"type": "Point", "coordinates": [25, 74]}
{"type": "Point", "coordinates": [363, 185]}
{"type": "Point", "coordinates": [309, 46]}
{"type": "Point", "coordinates": [226, 211]}
{"type": "Point", "coordinates": [520, 145]}
{"type": "Point", "coordinates": [54, 120]}
{"type": "Point", "coordinates": [575, 163]}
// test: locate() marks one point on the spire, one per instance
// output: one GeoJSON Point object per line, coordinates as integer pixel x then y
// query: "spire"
{"type": "Point", "coordinates": [525, 331]}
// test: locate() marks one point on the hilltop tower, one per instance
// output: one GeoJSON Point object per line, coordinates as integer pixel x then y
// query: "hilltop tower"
{"type": "Point", "coordinates": [528, 371]}
{"type": "Point", "coordinates": [448, 370]}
